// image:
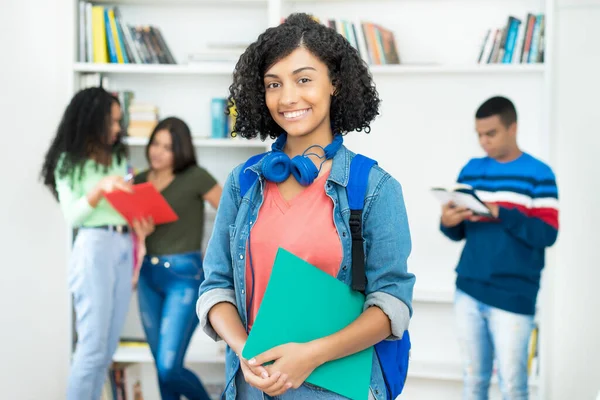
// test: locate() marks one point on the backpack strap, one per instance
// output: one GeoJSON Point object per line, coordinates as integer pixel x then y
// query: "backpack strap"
{"type": "Point", "coordinates": [356, 190]}
{"type": "Point", "coordinates": [247, 178]}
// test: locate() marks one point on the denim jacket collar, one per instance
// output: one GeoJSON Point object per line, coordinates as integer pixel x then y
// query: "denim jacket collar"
{"type": "Point", "coordinates": [340, 168]}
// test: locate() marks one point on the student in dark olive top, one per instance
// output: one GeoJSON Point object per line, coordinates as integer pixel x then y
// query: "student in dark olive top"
{"type": "Point", "coordinates": [172, 269]}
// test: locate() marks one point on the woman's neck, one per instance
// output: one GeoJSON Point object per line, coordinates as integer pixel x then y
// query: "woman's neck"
{"type": "Point", "coordinates": [161, 174]}
{"type": "Point", "coordinates": [296, 145]}
{"type": "Point", "coordinates": [101, 157]}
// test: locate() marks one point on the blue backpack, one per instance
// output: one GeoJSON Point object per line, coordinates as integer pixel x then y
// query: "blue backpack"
{"type": "Point", "coordinates": [393, 355]}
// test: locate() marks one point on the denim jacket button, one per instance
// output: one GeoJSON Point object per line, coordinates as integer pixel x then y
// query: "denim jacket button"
{"type": "Point", "coordinates": [167, 264]}
{"type": "Point", "coordinates": [344, 267]}
{"type": "Point", "coordinates": [241, 256]}
{"type": "Point", "coordinates": [243, 291]}
{"type": "Point", "coordinates": [154, 260]}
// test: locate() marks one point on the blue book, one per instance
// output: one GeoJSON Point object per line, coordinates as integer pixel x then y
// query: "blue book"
{"type": "Point", "coordinates": [219, 121]}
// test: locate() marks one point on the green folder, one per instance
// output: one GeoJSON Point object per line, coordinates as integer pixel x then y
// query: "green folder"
{"type": "Point", "coordinates": [303, 303]}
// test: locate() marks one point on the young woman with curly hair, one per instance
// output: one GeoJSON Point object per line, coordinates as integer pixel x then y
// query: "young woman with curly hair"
{"type": "Point", "coordinates": [305, 85]}
{"type": "Point", "coordinates": [86, 160]}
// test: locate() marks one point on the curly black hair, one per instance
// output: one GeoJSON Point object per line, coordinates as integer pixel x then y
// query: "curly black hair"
{"type": "Point", "coordinates": [83, 131]}
{"type": "Point", "coordinates": [355, 102]}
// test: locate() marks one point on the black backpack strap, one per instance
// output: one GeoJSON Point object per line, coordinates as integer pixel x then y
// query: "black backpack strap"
{"type": "Point", "coordinates": [356, 191]}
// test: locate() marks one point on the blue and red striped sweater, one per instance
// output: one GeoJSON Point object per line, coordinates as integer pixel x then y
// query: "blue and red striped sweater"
{"type": "Point", "coordinates": [502, 259]}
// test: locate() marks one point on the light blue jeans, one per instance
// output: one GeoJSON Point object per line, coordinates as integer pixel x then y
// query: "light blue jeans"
{"type": "Point", "coordinates": [101, 267]}
{"type": "Point", "coordinates": [486, 333]}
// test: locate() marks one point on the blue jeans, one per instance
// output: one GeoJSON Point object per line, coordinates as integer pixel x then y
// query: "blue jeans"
{"type": "Point", "coordinates": [167, 293]}
{"type": "Point", "coordinates": [486, 333]}
{"type": "Point", "coordinates": [304, 392]}
{"type": "Point", "coordinates": [100, 274]}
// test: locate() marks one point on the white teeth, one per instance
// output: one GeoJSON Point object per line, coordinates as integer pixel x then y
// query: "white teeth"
{"type": "Point", "coordinates": [294, 114]}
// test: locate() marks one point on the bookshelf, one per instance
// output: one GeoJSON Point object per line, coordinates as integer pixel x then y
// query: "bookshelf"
{"type": "Point", "coordinates": [423, 136]}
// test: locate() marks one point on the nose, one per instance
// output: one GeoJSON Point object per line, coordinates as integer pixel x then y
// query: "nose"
{"type": "Point", "coordinates": [289, 95]}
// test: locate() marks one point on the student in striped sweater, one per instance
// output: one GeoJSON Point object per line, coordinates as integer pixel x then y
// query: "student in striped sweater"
{"type": "Point", "coordinates": [498, 275]}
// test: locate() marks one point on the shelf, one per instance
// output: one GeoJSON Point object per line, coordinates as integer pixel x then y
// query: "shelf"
{"type": "Point", "coordinates": [226, 68]}
{"type": "Point", "coordinates": [142, 354]}
{"type": "Point", "coordinates": [456, 69]}
{"type": "Point", "coordinates": [206, 142]}
{"type": "Point", "coordinates": [433, 296]}
{"type": "Point", "coordinates": [207, 68]}
{"type": "Point", "coordinates": [184, 2]}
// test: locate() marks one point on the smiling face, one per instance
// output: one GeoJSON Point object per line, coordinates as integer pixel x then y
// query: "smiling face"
{"type": "Point", "coordinates": [298, 93]}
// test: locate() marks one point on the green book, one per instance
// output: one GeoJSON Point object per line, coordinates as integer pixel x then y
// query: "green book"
{"type": "Point", "coordinates": [302, 303]}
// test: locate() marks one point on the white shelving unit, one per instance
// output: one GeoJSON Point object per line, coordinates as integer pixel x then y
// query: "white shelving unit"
{"type": "Point", "coordinates": [424, 133]}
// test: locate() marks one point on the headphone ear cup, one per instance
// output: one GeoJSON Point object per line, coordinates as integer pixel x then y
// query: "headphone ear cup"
{"type": "Point", "coordinates": [304, 170]}
{"type": "Point", "coordinates": [276, 167]}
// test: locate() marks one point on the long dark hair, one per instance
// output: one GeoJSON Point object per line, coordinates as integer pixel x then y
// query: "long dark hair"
{"type": "Point", "coordinates": [182, 147]}
{"type": "Point", "coordinates": [83, 131]}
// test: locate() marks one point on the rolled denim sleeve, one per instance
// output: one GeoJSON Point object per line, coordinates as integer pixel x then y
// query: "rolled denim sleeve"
{"type": "Point", "coordinates": [218, 286]}
{"type": "Point", "coordinates": [388, 246]}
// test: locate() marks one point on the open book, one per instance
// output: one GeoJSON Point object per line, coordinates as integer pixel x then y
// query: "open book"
{"type": "Point", "coordinates": [462, 196]}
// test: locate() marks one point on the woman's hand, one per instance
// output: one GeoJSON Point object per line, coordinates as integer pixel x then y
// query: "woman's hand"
{"type": "Point", "coordinates": [136, 277]}
{"type": "Point", "coordinates": [272, 385]}
{"type": "Point", "coordinates": [106, 185]}
{"type": "Point", "coordinates": [143, 227]}
{"type": "Point", "coordinates": [295, 362]}
{"type": "Point", "coordinates": [112, 183]}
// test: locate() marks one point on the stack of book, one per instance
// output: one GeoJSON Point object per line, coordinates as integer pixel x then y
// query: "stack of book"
{"type": "Point", "coordinates": [518, 42]}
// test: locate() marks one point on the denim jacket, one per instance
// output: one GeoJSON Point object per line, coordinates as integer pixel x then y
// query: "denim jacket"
{"type": "Point", "coordinates": [387, 247]}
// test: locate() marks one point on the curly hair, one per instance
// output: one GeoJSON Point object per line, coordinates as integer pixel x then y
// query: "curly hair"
{"type": "Point", "coordinates": [82, 131]}
{"type": "Point", "coordinates": [354, 104]}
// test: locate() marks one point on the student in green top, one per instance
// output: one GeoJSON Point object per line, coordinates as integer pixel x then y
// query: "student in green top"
{"type": "Point", "coordinates": [172, 269]}
{"type": "Point", "coordinates": [86, 160]}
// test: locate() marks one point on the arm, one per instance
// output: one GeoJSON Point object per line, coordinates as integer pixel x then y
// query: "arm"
{"type": "Point", "coordinates": [214, 195]}
{"type": "Point", "coordinates": [75, 205]}
{"type": "Point", "coordinates": [535, 231]}
{"type": "Point", "coordinates": [538, 228]}
{"type": "Point", "coordinates": [456, 233]}
{"type": "Point", "coordinates": [389, 288]}
{"type": "Point", "coordinates": [217, 286]}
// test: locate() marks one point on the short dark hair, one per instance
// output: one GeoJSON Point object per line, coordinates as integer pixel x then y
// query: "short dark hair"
{"type": "Point", "coordinates": [182, 147]}
{"type": "Point", "coordinates": [355, 102]}
{"type": "Point", "coordinates": [500, 106]}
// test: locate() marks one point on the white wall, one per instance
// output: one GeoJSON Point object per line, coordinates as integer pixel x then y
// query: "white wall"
{"type": "Point", "coordinates": [575, 349]}
{"type": "Point", "coordinates": [33, 293]}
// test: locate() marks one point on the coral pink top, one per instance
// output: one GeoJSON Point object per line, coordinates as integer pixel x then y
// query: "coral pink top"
{"type": "Point", "coordinates": [303, 226]}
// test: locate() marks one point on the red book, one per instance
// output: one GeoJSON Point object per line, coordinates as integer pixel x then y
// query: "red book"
{"type": "Point", "coordinates": [144, 202]}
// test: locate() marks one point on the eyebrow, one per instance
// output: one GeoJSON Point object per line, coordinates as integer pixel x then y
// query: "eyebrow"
{"type": "Point", "coordinates": [297, 71]}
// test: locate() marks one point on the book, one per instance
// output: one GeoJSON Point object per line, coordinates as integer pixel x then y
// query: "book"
{"type": "Point", "coordinates": [145, 201]}
{"type": "Point", "coordinates": [462, 196]}
{"type": "Point", "coordinates": [290, 312]}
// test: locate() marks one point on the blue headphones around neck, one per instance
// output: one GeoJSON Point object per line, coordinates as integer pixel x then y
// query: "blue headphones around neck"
{"type": "Point", "coordinates": [277, 166]}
